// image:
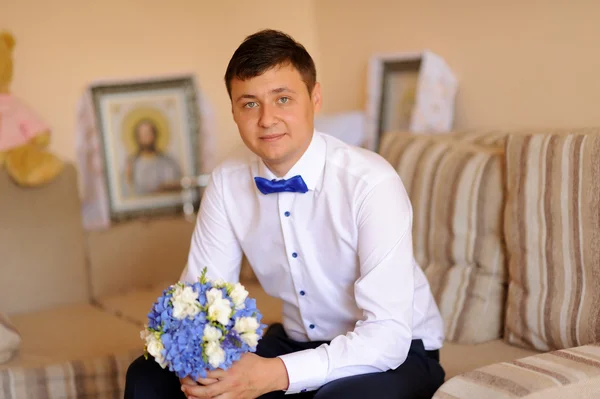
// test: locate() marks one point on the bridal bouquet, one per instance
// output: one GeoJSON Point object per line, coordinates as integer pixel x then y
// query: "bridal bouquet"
{"type": "Point", "coordinates": [202, 326]}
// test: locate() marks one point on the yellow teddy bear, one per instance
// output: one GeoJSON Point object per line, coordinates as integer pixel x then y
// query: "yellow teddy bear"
{"type": "Point", "coordinates": [23, 135]}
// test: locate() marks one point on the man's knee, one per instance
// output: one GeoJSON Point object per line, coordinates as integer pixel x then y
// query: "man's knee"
{"type": "Point", "coordinates": [137, 369]}
{"type": "Point", "coordinates": [146, 379]}
{"type": "Point", "coordinates": [348, 387]}
{"type": "Point", "coordinates": [137, 373]}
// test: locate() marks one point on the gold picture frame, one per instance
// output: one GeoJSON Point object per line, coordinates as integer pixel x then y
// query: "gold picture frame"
{"type": "Point", "coordinates": [149, 132]}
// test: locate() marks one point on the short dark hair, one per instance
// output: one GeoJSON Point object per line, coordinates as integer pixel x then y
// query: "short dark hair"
{"type": "Point", "coordinates": [267, 49]}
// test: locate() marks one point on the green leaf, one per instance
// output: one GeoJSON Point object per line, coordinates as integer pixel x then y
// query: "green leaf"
{"type": "Point", "coordinates": [203, 276]}
{"type": "Point", "coordinates": [204, 357]}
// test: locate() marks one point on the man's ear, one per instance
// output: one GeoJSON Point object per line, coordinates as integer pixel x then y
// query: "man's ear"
{"type": "Point", "coordinates": [317, 97]}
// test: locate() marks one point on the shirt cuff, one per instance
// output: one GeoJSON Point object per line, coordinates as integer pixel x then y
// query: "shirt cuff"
{"type": "Point", "coordinates": [307, 369]}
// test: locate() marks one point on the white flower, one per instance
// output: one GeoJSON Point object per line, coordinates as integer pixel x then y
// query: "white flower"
{"type": "Point", "coordinates": [215, 354]}
{"type": "Point", "coordinates": [213, 295]}
{"type": "Point", "coordinates": [246, 325]}
{"type": "Point", "coordinates": [154, 347]}
{"type": "Point", "coordinates": [219, 308]}
{"type": "Point", "coordinates": [219, 283]}
{"type": "Point", "coordinates": [212, 333]}
{"type": "Point", "coordinates": [220, 311]}
{"type": "Point", "coordinates": [250, 338]}
{"type": "Point", "coordinates": [185, 302]}
{"type": "Point", "coordinates": [238, 295]}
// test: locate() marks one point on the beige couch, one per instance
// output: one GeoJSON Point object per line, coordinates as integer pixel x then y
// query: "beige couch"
{"type": "Point", "coordinates": [507, 228]}
{"type": "Point", "coordinates": [79, 300]}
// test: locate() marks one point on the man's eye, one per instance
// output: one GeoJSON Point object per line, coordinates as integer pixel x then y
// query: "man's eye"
{"type": "Point", "coordinates": [283, 100]}
{"type": "Point", "coordinates": [251, 104]}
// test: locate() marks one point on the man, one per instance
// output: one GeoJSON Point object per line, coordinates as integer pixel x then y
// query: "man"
{"type": "Point", "coordinates": [149, 170]}
{"type": "Point", "coordinates": [326, 228]}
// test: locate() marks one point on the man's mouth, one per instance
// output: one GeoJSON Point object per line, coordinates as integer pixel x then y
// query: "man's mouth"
{"type": "Point", "coordinates": [272, 137]}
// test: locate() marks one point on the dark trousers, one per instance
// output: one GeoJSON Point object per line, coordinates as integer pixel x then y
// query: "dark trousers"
{"type": "Point", "coordinates": [417, 378]}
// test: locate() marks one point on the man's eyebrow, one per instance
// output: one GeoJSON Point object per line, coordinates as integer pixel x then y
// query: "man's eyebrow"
{"type": "Point", "coordinates": [278, 90]}
{"type": "Point", "coordinates": [282, 89]}
{"type": "Point", "coordinates": [246, 96]}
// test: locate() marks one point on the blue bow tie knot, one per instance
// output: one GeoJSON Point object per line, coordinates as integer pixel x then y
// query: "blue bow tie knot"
{"type": "Point", "coordinates": [292, 185]}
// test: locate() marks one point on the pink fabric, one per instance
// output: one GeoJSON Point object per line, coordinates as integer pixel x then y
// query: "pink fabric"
{"type": "Point", "coordinates": [18, 123]}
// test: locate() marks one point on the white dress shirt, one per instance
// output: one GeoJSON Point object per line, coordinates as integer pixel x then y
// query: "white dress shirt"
{"type": "Point", "coordinates": [340, 257]}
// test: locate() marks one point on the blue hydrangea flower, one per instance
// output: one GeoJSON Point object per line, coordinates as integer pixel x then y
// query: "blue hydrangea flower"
{"type": "Point", "coordinates": [180, 343]}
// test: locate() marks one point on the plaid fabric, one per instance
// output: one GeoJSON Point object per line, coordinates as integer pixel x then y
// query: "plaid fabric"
{"type": "Point", "coordinates": [553, 238]}
{"type": "Point", "coordinates": [99, 378]}
{"type": "Point", "coordinates": [526, 377]}
{"type": "Point", "coordinates": [456, 190]}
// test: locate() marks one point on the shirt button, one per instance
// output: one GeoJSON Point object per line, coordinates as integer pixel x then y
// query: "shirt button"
{"type": "Point", "coordinates": [294, 255]}
{"type": "Point", "coordinates": [302, 293]}
{"type": "Point", "coordinates": [287, 214]}
{"type": "Point", "coordinates": [312, 326]}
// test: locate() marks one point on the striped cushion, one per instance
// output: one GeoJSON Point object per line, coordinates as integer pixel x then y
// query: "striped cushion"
{"type": "Point", "coordinates": [98, 377]}
{"type": "Point", "coordinates": [553, 239]}
{"type": "Point", "coordinates": [539, 376]}
{"type": "Point", "coordinates": [456, 192]}
{"type": "Point", "coordinates": [498, 138]}
{"type": "Point", "coordinates": [9, 339]}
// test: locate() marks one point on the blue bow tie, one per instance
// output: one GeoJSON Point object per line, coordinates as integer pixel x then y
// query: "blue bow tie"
{"type": "Point", "coordinates": [292, 185]}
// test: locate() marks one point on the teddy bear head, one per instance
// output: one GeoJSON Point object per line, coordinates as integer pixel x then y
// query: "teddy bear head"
{"type": "Point", "coordinates": [7, 43]}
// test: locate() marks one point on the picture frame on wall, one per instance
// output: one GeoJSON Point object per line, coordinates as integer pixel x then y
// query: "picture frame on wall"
{"type": "Point", "coordinates": [149, 134]}
{"type": "Point", "coordinates": [408, 92]}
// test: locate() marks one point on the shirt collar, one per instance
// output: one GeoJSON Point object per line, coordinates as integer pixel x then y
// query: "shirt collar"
{"type": "Point", "coordinates": [310, 166]}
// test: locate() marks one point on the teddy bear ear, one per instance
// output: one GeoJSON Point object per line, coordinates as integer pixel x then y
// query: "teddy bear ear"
{"type": "Point", "coordinates": [8, 38]}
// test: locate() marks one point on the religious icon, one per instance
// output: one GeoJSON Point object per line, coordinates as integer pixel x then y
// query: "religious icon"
{"type": "Point", "coordinates": [149, 133]}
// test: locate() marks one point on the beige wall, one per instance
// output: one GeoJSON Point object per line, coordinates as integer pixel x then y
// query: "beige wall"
{"type": "Point", "coordinates": [63, 44]}
{"type": "Point", "coordinates": [519, 63]}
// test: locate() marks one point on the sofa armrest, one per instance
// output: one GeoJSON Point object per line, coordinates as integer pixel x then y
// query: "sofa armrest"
{"type": "Point", "coordinates": [573, 372]}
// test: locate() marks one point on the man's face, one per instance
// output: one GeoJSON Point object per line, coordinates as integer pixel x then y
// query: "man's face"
{"type": "Point", "coordinates": [275, 115]}
{"type": "Point", "coordinates": [146, 137]}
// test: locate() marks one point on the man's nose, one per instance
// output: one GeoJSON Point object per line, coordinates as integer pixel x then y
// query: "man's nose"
{"type": "Point", "coordinates": [268, 116]}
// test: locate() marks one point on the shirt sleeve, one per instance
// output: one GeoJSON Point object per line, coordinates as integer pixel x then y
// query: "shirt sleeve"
{"type": "Point", "coordinates": [214, 244]}
{"type": "Point", "coordinates": [384, 292]}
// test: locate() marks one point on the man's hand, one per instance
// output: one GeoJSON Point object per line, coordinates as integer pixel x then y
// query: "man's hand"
{"type": "Point", "coordinates": [201, 381]}
{"type": "Point", "coordinates": [248, 378]}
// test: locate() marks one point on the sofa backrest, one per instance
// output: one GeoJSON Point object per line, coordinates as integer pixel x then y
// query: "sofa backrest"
{"type": "Point", "coordinates": [456, 191]}
{"type": "Point", "coordinates": [42, 245]}
{"type": "Point", "coordinates": [138, 253]}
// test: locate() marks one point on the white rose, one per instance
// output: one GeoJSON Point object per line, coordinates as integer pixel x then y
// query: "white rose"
{"type": "Point", "coordinates": [219, 283]}
{"type": "Point", "coordinates": [182, 309]}
{"type": "Point", "coordinates": [154, 348]}
{"type": "Point", "coordinates": [188, 295]}
{"type": "Point", "coordinates": [250, 338]}
{"type": "Point", "coordinates": [220, 311]}
{"type": "Point", "coordinates": [215, 354]}
{"type": "Point", "coordinates": [185, 302]}
{"type": "Point", "coordinates": [238, 295]}
{"type": "Point", "coordinates": [246, 325]}
{"type": "Point", "coordinates": [212, 333]}
{"type": "Point", "coordinates": [213, 295]}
